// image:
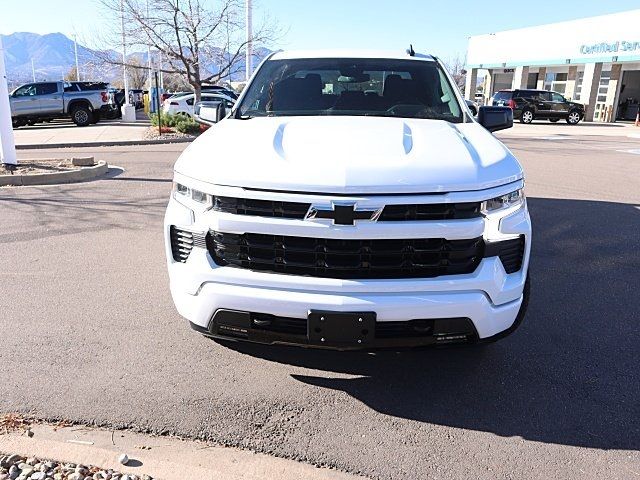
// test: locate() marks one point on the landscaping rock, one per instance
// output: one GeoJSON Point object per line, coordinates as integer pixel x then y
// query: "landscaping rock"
{"type": "Point", "coordinates": [82, 161]}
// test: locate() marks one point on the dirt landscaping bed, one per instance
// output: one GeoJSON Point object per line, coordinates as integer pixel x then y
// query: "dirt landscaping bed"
{"type": "Point", "coordinates": [32, 167]}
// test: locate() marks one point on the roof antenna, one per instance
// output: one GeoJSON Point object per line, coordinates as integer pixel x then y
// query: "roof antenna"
{"type": "Point", "coordinates": [411, 51]}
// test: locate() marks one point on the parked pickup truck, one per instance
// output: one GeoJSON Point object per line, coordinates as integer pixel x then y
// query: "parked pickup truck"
{"type": "Point", "coordinates": [349, 200]}
{"type": "Point", "coordinates": [84, 102]}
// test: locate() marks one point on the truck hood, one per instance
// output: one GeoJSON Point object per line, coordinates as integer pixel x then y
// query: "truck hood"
{"type": "Point", "coordinates": [349, 154]}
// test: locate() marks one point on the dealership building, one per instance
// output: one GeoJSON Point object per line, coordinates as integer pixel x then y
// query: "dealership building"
{"type": "Point", "coordinates": [594, 61]}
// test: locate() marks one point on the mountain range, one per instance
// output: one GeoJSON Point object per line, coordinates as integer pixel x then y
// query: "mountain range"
{"type": "Point", "coordinates": [53, 55]}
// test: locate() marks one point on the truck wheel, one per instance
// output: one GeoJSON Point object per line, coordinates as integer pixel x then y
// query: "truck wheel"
{"type": "Point", "coordinates": [81, 116]}
{"type": "Point", "coordinates": [526, 116]}
{"type": "Point", "coordinates": [95, 117]}
{"type": "Point", "coordinates": [573, 118]}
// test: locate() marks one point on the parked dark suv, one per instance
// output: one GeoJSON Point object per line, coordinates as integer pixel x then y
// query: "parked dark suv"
{"type": "Point", "coordinates": [530, 105]}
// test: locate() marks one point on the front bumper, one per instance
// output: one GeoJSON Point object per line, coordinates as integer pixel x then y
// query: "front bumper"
{"type": "Point", "coordinates": [489, 299]}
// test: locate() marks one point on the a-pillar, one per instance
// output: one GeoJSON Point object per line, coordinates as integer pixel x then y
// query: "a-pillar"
{"type": "Point", "coordinates": [570, 89]}
{"type": "Point", "coordinates": [471, 83]}
{"type": "Point", "coordinates": [614, 82]}
{"type": "Point", "coordinates": [589, 92]}
{"type": "Point", "coordinates": [542, 73]}
{"type": "Point", "coordinates": [520, 78]}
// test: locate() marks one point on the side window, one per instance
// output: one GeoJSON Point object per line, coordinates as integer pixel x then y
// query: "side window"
{"type": "Point", "coordinates": [545, 96]}
{"type": "Point", "coordinates": [556, 97]}
{"type": "Point", "coordinates": [528, 95]}
{"type": "Point", "coordinates": [46, 88]}
{"type": "Point", "coordinates": [190, 101]}
{"type": "Point", "coordinates": [25, 91]}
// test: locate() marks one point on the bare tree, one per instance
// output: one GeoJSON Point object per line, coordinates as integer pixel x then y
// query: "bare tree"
{"type": "Point", "coordinates": [203, 44]}
{"type": "Point", "coordinates": [456, 67]}
{"type": "Point", "coordinates": [137, 73]}
{"type": "Point", "coordinates": [71, 75]}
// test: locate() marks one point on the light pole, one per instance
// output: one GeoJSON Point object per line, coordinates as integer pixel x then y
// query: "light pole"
{"type": "Point", "coordinates": [149, 53]}
{"type": "Point", "coordinates": [249, 51]}
{"type": "Point", "coordinates": [7, 143]}
{"type": "Point", "coordinates": [75, 48]}
{"type": "Point", "coordinates": [128, 110]}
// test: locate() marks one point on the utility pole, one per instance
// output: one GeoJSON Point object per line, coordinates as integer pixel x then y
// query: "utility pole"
{"type": "Point", "coordinates": [33, 71]}
{"type": "Point", "coordinates": [249, 51]}
{"type": "Point", "coordinates": [75, 48]}
{"type": "Point", "coordinates": [7, 142]}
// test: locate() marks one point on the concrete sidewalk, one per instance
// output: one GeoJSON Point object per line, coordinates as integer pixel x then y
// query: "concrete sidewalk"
{"type": "Point", "coordinates": [66, 132]}
{"type": "Point", "coordinates": [542, 129]}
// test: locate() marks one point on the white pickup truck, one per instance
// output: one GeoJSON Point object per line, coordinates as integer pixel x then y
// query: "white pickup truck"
{"type": "Point", "coordinates": [349, 200]}
{"type": "Point", "coordinates": [84, 102]}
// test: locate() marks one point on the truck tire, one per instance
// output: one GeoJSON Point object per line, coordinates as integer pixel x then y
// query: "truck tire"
{"type": "Point", "coordinates": [95, 117]}
{"type": "Point", "coordinates": [81, 116]}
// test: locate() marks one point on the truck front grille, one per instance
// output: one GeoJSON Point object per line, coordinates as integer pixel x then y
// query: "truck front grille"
{"type": "Point", "coordinates": [390, 213]}
{"type": "Point", "coordinates": [346, 259]}
{"type": "Point", "coordinates": [261, 208]}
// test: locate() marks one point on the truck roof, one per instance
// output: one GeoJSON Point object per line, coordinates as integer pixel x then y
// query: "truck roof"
{"type": "Point", "coordinates": [348, 53]}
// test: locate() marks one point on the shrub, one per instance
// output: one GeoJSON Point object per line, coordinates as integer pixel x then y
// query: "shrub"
{"type": "Point", "coordinates": [188, 126]}
{"type": "Point", "coordinates": [167, 119]}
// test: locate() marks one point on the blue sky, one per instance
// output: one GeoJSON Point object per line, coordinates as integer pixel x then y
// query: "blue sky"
{"type": "Point", "coordinates": [440, 27]}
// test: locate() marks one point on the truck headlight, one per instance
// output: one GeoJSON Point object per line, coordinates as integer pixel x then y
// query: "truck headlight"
{"type": "Point", "coordinates": [191, 197]}
{"type": "Point", "coordinates": [512, 200]}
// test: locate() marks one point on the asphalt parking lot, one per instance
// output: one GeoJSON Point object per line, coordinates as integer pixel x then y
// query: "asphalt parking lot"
{"type": "Point", "coordinates": [89, 333]}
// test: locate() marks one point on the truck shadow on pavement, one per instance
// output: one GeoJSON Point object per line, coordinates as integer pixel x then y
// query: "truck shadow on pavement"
{"type": "Point", "coordinates": [570, 375]}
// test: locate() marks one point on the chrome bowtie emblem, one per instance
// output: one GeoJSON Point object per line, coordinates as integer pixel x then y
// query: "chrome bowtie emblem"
{"type": "Point", "coordinates": [343, 213]}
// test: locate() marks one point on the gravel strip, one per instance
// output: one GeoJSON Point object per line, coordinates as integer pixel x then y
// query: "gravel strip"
{"type": "Point", "coordinates": [16, 467]}
{"type": "Point", "coordinates": [152, 134]}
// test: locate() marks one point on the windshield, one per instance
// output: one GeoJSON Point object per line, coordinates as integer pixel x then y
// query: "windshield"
{"type": "Point", "coordinates": [350, 86]}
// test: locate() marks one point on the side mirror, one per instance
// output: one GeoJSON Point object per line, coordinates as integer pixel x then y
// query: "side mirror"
{"type": "Point", "coordinates": [495, 118]}
{"type": "Point", "coordinates": [209, 113]}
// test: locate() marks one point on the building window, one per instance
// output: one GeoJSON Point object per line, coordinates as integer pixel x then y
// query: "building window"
{"type": "Point", "coordinates": [603, 87]}
{"type": "Point", "coordinates": [578, 89]}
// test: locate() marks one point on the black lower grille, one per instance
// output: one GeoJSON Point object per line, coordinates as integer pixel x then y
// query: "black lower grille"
{"type": "Point", "coordinates": [181, 243]}
{"type": "Point", "coordinates": [440, 329]}
{"type": "Point", "coordinates": [346, 259]}
{"type": "Point", "coordinates": [511, 253]}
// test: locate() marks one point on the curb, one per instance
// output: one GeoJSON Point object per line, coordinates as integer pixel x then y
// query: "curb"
{"type": "Point", "coordinates": [72, 176]}
{"type": "Point", "coordinates": [163, 458]}
{"type": "Point", "coordinates": [123, 143]}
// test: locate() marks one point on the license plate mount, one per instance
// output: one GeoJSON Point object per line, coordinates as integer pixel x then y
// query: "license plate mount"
{"type": "Point", "coordinates": [341, 329]}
